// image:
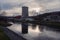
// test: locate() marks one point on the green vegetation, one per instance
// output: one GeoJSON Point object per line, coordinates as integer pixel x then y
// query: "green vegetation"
{"type": "Point", "coordinates": [5, 24]}
{"type": "Point", "coordinates": [52, 24]}
{"type": "Point", "coordinates": [3, 36]}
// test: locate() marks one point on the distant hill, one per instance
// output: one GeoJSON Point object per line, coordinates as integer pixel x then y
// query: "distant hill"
{"type": "Point", "coordinates": [41, 16]}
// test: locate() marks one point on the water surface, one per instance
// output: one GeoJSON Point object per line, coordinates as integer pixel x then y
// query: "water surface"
{"type": "Point", "coordinates": [36, 34]}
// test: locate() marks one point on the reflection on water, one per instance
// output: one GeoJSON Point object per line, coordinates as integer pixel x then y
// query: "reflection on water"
{"type": "Point", "coordinates": [36, 33]}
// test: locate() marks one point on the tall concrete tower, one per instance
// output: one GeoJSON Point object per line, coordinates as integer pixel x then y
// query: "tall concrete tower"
{"type": "Point", "coordinates": [24, 15]}
{"type": "Point", "coordinates": [24, 11]}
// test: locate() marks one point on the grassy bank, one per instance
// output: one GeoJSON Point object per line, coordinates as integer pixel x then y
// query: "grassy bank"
{"type": "Point", "coordinates": [4, 24]}
{"type": "Point", "coordinates": [3, 36]}
{"type": "Point", "coordinates": [52, 24]}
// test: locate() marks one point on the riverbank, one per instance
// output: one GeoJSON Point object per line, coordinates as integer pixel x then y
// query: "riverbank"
{"type": "Point", "coordinates": [51, 24]}
{"type": "Point", "coordinates": [3, 36]}
{"type": "Point", "coordinates": [5, 24]}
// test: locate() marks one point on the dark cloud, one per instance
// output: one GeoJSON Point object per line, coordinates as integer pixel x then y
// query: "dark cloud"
{"type": "Point", "coordinates": [8, 6]}
{"type": "Point", "coordinates": [44, 1]}
{"type": "Point", "coordinates": [49, 3]}
{"type": "Point", "coordinates": [46, 4]}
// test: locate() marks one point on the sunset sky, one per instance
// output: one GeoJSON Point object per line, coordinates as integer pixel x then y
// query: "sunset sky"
{"type": "Point", "coordinates": [12, 6]}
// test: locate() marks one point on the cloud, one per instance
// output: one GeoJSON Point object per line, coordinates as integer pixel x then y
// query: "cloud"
{"type": "Point", "coordinates": [7, 4]}
{"type": "Point", "coordinates": [45, 4]}
{"type": "Point", "coordinates": [49, 4]}
{"type": "Point", "coordinates": [14, 10]}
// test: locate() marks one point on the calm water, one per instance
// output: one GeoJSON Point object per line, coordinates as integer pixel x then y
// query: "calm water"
{"type": "Point", "coordinates": [36, 33]}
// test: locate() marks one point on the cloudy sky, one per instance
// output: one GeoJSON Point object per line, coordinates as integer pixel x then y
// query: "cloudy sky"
{"type": "Point", "coordinates": [37, 5]}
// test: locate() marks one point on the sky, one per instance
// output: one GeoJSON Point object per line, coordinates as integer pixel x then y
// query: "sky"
{"type": "Point", "coordinates": [13, 6]}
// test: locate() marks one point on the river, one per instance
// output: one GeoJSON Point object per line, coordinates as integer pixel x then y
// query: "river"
{"type": "Point", "coordinates": [36, 34]}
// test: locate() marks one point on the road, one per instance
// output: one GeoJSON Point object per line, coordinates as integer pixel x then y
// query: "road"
{"type": "Point", "coordinates": [12, 35]}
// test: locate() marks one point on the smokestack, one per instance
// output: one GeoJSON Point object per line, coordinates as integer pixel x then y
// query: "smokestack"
{"type": "Point", "coordinates": [24, 15]}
